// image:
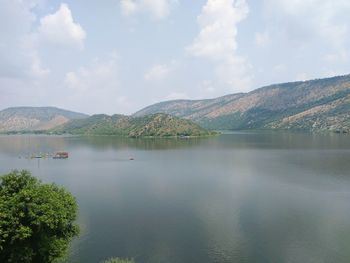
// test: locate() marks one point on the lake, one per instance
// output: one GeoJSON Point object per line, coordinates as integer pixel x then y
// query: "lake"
{"type": "Point", "coordinates": [238, 197]}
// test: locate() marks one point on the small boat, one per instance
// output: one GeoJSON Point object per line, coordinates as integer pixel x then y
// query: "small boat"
{"type": "Point", "coordinates": [60, 155]}
{"type": "Point", "coordinates": [36, 156]}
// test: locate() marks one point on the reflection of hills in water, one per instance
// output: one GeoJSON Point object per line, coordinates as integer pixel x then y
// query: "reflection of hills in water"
{"type": "Point", "coordinates": [140, 143]}
{"type": "Point", "coordinates": [23, 145]}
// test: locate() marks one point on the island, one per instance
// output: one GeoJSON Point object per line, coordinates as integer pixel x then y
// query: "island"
{"type": "Point", "coordinates": [153, 125]}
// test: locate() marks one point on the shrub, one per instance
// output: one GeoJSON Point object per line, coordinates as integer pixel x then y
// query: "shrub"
{"type": "Point", "coordinates": [36, 219]}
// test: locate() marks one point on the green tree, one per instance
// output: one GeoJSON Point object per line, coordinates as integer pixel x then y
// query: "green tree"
{"type": "Point", "coordinates": [37, 221]}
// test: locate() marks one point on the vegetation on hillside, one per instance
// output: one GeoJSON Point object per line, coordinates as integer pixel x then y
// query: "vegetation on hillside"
{"type": "Point", "coordinates": [155, 125]}
{"type": "Point", "coordinates": [36, 219]}
{"type": "Point", "coordinates": [315, 105]}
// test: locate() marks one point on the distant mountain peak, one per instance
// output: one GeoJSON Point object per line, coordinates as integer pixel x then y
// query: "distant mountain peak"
{"type": "Point", "coordinates": [27, 118]}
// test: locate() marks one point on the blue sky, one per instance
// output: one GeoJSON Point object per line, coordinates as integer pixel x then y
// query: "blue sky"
{"type": "Point", "coordinates": [117, 56]}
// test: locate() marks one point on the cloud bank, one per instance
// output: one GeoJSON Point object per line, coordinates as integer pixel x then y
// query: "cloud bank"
{"type": "Point", "coordinates": [217, 41]}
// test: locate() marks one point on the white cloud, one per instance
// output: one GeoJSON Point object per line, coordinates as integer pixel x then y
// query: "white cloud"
{"type": "Point", "coordinates": [97, 76]}
{"type": "Point", "coordinates": [217, 41]}
{"type": "Point", "coordinates": [36, 68]}
{"type": "Point", "coordinates": [128, 7]}
{"type": "Point", "coordinates": [302, 76]}
{"type": "Point", "coordinates": [159, 72]}
{"type": "Point", "coordinates": [338, 56]}
{"type": "Point", "coordinates": [21, 70]}
{"type": "Point", "coordinates": [97, 85]}
{"type": "Point", "coordinates": [218, 22]}
{"type": "Point", "coordinates": [310, 21]}
{"type": "Point", "coordinates": [233, 71]}
{"type": "Point", "coordinates": [176, 96]}
{"type": "Point", "coordinates": [280, 68]}
{"type": "Point", "coordinates": [18, 59]}
{"type": "Point", "coordinates": [262, 39]}
{"type": "Point", "coordinates": [21, 42]}
{"type": "Point", "coordinates": [158, 9]}
{"type": "Point", "coordinates": [207, 86]}
{"type": "Point", "coordinates": [60, 29]}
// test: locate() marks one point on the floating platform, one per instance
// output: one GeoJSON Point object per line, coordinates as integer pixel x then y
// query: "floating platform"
{"type": "Point", "coordinates": [61, 155]}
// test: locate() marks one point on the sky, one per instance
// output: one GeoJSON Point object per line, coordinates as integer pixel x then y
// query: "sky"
{"type": "Point", "coordinates": [118, 56]}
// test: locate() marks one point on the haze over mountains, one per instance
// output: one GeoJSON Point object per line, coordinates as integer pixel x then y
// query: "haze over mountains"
{"type": "Point", "coordinates": [315, 105]}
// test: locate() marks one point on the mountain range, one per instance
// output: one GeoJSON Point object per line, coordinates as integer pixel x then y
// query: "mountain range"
{"type": "Point", "coordinates": [35, 118]}
{"type": "Point", "coordinates": [57, 121]}
{"type": "Point", "coordinates": [314, 105]}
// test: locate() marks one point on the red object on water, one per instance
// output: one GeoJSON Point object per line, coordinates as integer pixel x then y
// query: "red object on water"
{"type": "Point", "coordinates": [61, 155]}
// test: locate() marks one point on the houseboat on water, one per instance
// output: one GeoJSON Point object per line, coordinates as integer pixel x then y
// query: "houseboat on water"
{"type": "Point", "coordinates": [60, 155]}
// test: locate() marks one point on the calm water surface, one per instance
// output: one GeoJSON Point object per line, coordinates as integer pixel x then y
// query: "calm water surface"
{"type": "Point", "coordinates": [241, 197]}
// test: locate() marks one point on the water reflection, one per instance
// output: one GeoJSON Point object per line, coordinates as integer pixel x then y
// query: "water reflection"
{"type": "Point", "coordinates": [137, 143]}
{"type": "Point", "coordinates": [245, 197]}
{"type": "Point", "coordinates": [15, 144]}
{"type": "Point", "coordinates": [242, 140]}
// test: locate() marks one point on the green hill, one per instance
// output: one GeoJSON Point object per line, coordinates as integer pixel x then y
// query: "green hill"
{"type": "Point", "coordinates": [315, 105]}
{"type": "Point", "coordinates": [155, 125]}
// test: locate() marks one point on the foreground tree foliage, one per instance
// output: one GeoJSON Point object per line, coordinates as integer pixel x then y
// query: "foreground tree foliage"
{"type": "Point", "coordinates": [36, 219]}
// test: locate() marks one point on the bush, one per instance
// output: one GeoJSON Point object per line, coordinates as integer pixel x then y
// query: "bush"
{"type": "Point", "coordinates": [36, 219]}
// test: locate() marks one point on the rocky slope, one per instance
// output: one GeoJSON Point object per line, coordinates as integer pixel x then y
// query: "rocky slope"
{"type": "Point", "coordinates": [35, 118]}
{"type": "Point", "coordinates": [155, 125]}
{"type": "Point", "coordinates": [322, 104]}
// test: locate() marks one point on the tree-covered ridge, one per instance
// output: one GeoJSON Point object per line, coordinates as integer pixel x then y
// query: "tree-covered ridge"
{"type": "Point", "coordinates": [155, 125]}
{"type": "Point", "coordinates": [321, 104]}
